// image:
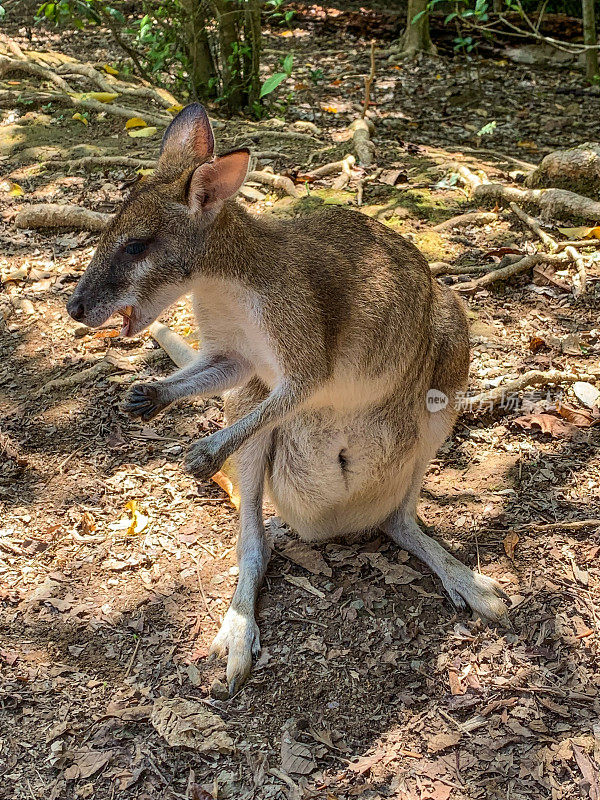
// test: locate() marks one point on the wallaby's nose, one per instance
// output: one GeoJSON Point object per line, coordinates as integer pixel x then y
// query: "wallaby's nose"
{"type": "Point", "coordinates": [76, 309]}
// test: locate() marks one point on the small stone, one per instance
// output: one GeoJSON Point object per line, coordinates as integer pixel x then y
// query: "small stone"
{"type": "Point", "coordinates": [219, 690]}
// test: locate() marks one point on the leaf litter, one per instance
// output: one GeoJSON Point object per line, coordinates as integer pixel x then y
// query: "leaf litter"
{"type": "Point", "coordinates": [359, 645]}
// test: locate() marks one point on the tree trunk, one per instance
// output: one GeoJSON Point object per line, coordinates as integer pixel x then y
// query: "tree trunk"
{"type": "Point", "coordinates": [590, 38]}
{"type": "Point", "coordinates": [229, 46]}
{"type": "Point", "coordinates": [416, 36]}
{"type": "Point", "coordinates": [203, 73]}
{"type": "Point", "coordinates": [252, 37]}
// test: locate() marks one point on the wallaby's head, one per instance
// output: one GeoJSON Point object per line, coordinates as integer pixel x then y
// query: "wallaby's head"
{"type": "Point", "coordinates": [147, 255]}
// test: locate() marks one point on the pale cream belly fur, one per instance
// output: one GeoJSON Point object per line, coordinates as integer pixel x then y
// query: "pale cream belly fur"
{"type": "Point", "coordinates": [333, 474]}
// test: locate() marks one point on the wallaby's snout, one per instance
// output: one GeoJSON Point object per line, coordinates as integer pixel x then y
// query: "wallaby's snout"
{"type": "Point", "coordinates": [146, 256]}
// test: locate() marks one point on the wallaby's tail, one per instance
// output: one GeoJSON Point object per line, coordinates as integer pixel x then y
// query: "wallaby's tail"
{"type": "Point", "coordinates": [178, 350]}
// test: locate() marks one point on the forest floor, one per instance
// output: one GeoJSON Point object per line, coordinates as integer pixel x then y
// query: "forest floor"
{"type": "Point", "coordinates": [369, 683]}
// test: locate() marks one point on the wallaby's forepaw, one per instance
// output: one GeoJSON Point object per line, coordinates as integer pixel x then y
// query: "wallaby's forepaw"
{"type": "Point", "coordinates": [203, 458]}
{"type": "Point", "coordinates": [239, 639]}
{"type": "Point", "coordinates": [481, 593]}
{"type": "Point", "coordinates": [145, 400]}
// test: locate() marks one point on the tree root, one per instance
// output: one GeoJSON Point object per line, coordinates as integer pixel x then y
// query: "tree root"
{"type": "Point", "coordinates": [362, 130]}
{"type": "Point", "coordinates": [276, 181]}
{"type": "Point", "coordinates": [558, 203]}
{"type": "Point", "coordinates": [552, 203]}
{"type": "Point", "coordinates": [54, 215]}
{"type": "Point", "coordinates": [105, 84]}
{"type": "Point", "coordinates": [101, 161]}
{"type": "Point", "coordinates": [74, 99]}
{"type": "Point", "coordinates": [332, 168]}
{"type": "Point", "coordinates": [517, 268]}
{"type": "Point", "coordinates": [471, 218]}
{"type": "Point", "coordinates": [529, 379]}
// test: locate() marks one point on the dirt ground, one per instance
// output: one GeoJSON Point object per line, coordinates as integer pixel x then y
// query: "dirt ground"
{"type": "Point", "coordinates": [369, 683]}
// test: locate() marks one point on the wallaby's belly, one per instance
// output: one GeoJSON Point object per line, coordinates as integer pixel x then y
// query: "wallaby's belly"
{"type": "Point", "coordinates": [333, 474]}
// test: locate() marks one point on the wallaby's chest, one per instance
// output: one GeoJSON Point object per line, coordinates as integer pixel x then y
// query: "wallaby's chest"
{"type": "Point", "coordinates": [230, 318]}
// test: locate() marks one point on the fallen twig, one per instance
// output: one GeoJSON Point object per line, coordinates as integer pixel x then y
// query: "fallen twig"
{"type": "Point", "coordinates": [532, 378]}
{"type": "Point", "coordinates": [572, 525]}
{"type": "Point", "coordinates": [369, 80]}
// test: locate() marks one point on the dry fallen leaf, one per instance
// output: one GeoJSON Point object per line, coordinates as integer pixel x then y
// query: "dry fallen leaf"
{"type": "Point", "coordinates": [296, 757]}
{"type": "Point", "coordinates": [510, 542]}
{"type": "Point", "coordinates": [224, 481]}
{"type": "Point", "coordinates": [590, 783]}
{"type": "Point", "coordinates": [134, 523]}
{"type": "Point", "coordinates": [186, 723]}
{"type": "Point", "coordinates": [456, 687]}
{"type": "Point", "coordinates": [196, 792]}
{"type": "Point", "coordinates": [87, 762]}
{"type": "Point", "coordinates": [583, 418]}
{"type": "Point", "coordinates": [101, 97]}
{"type": "Point", "coordinates": [298, 552]}
{"type": "Point", "coordinates": [109, 69]}
{"type": "Point", "coordinates": [442, 741]}
{"type": "Point", "coordinates": [547, 423]}
{"type": "Point", "coordinates": [304, 583]}
{"type": "Point", "coordinates": [143, 133]}
{"type": "Point", "coordinates": [393, 574]}
{"type": "Point", "coordinates": [582, 232]}
{"type": "Point", "coordinates": [587, 394]}
{"type": "Point", "coordinates": [135, 122]}
{"type": "Point", "coordinates": [80, 118]}
{"type": "Point", "coordinates": [366, 763]}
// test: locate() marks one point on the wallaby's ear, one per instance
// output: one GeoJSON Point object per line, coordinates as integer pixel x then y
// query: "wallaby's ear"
{"type": "Point", "coordinates": [218, 180]}
{"type": "Point", "coordinates": [189, 135]}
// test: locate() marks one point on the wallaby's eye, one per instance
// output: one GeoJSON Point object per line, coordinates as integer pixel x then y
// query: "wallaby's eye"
{"type": "Point", "coordinates": [135, 248]}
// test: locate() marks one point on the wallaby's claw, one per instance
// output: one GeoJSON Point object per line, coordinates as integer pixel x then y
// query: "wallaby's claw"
{"type": "Point", "coordinates": [482, 593]}
{"type": "Point", "coordinates": [144, 401]}
{"type": "Point", "coordinates": [203, 459]}
{"type": "Point", "coordinates": [239, 640]}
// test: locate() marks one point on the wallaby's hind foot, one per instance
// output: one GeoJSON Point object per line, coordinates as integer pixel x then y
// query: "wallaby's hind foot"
{"type": "Point", "coordinates": [465, 587]}
{"type": "Point", "coordinates": [145, 400]}
{"type": "Point", "coordinates": [480, 592]}
{"type": "Point", "coordinates": [238, 640]}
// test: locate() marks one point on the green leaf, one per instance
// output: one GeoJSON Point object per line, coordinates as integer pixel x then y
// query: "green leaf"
{"type": "Point", "coordinates": [272, 83]}
{"type": "Point", "coordinates": [418, 17]}
{"type": "Point", "coordinates": [487, 129]}
{"type": "Point", "coordinates": [288, 63]}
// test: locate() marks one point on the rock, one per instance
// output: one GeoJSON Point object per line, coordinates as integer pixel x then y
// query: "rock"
{"type": "Point", "coordinates": [576, 169]}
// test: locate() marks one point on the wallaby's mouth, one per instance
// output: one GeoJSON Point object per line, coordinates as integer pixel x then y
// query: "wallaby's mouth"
{"type": "Point", "coordinates": [127, 314]}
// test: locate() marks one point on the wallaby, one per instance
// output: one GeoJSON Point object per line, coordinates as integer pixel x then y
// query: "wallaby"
{"type": "Point", "coordinates": [325, 333]}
